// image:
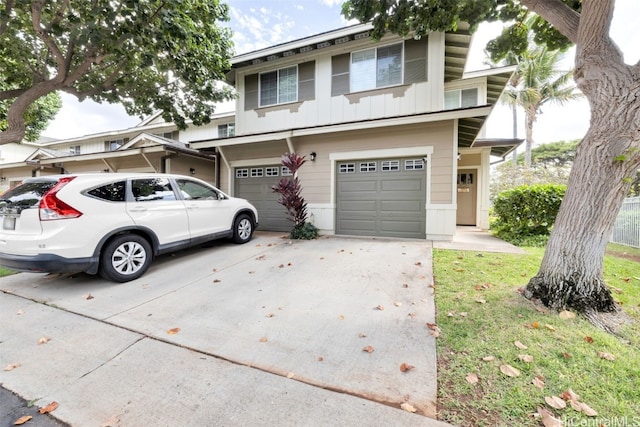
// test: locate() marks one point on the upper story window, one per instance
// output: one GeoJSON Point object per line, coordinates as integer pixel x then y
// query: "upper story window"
{"type": "Point", "coordinates": [461, 98]}
{"type": "Point", "coordinates": [74, 150]}
{"type": "Point", "coordinates": [376, 68]}
{"type": "Point", "coordinates": [226, 130]}
{"type": "Point", "coordinates": [113, 145]}
{"type": "Point", "coordinates": [279, 87]}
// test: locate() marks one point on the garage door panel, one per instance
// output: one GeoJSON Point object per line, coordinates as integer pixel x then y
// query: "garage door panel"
{"type": "Point", "coordinates": [376, 202]}
{"type": "Point", "coordinates": [257, 190]}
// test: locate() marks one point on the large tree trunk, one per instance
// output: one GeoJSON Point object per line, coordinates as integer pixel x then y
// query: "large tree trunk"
{"type": "Point", "coordinates": [571, 274]}
{"type": "Point", "coordinates": [529, 118]}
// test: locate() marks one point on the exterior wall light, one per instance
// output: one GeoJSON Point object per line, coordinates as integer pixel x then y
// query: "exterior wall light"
{"type": "Point", "coordinates": [312, 156]}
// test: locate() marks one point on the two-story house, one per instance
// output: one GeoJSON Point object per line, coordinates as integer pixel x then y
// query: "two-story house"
{"type": "Point", "coordinates": [392, 133]}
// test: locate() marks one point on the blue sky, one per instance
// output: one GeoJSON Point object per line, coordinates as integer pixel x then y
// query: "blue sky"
{"type": "Point", "coordinates": [258, 24]}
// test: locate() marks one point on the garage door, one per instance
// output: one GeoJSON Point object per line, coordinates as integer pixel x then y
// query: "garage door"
{"type": "Point", "coordinates": [254, 184]}
{"type": "Point", "coordinates": [381, 197]}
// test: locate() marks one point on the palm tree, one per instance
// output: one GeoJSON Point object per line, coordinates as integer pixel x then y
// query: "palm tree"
{"type": "Point", "coordinates": [538, 82]}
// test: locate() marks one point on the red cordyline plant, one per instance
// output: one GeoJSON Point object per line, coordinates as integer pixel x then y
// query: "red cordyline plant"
{"type": "Point", "coordinates": [290, 190]}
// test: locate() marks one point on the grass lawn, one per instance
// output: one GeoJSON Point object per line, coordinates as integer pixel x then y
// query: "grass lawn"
{"type": "Point", "coordinates": [485, 323]}
{"type": "Point", "coordinates": [5, 272]}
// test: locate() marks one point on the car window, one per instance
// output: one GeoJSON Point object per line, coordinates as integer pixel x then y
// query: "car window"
{"type": "Point", "coordinates": [149, 189]}
{"type": "Point", "coordinates": [28, 194]}
{"type": "Point", "coordinates": [192, 190]}
{"type": "Point", "coordinates": [113, 192]}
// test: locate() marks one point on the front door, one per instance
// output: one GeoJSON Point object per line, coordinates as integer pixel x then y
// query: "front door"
{"type": "Point", "coordinates": [467, 182]}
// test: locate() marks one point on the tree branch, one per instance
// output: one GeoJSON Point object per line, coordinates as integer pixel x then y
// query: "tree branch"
{"type": "Point", "coordinates": [7, 10]}
{"type": "Point", "coordinates": [558, 14]}
{"type": "Point", "coordinates": [10, 94]}
{"type": "Point", "coordinates": [36, 21]}
{"type": "Point", "coordinates": [59, 15]}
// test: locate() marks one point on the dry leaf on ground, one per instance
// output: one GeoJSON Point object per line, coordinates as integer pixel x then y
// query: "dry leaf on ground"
{"type": "Point", "coordinates": [380, 307]}
{"type": "Point", "coordinates": [368, 349]}
{"type": "Point", "coordinates": [291, 375]}
{"type": "Point", "coordinates": [555, 402]}
{"type": "Point", "coordinates": [20, 312]}
{"type": "Point", "coordinates": [538, 382]}
{"type": "Point", "coordinates": [263, 339]}
{"type": "Point", "coordinates": [548, 420]}
{"type": "Point", "coordinates": [471, 378]}
{"type": "Point", "coordinates": [587, 410]}
{"type": "Point", "coordinates": [173, 331]}
{"type": "Point", "coordinates": [89, 296]}
{"type": "Point", "coordinates": [509, 371]}
{"type": "Point", "coordinates": [525, 358]}
{"type": "Point", "coordinates": [569, 395]}
{"type": "Point", "coordinates": [111, 422]}
{"type": "Point", "coordinates": [605, 355]}
{"type": "Point", "coordinates": [44, 340]}
{"type": "Point", "coordinates": [11, 366]}
{"type": "Point", "coordinates": [481, 300]}
{"type": "Point", "coordinates": [22, 420]}
{"type": "Point", "coordinates": [588, 340]}
{"type": "Point", "coordinates": [520, 345]}
{"type": "Point", "coordinates": [406, 367]}
{"type": "Point", "coordinates": [408, 407]}
{"type": "Point", "coordinates": [489, 358]}
{"type": "Point", "coordinates": [549, 327]}
{"type": "Point", "coordinates": [49, 408]}
{"type": "Point", "coordinates": [566, 315]}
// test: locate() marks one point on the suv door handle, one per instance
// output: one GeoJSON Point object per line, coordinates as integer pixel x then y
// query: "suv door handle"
{"type": "Point", "coordinates": [138, 209]}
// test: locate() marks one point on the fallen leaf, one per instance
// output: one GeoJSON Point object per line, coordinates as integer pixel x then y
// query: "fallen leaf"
{"type": "Point", "coordinates": [320, 358]}
{"type": "Point", "coordinates": [173, 331]}
{"type": "Point", "coordinates": [408, 407]}
{"type": "Point", "coordinates": [341, 317]}
{"type": "Point", "coordinates": [520, 345]}
{"type": "Point", "coordinates": [576, 405]}
{"type": "Point", "coordinates": [548, 420]}
{"type": "Point", "coordinates": [481, 300]}
{"type": "Point", "coordinates": [404, 285]}
{"type": "Point", "coordinates": [588, 339]}
{"type": "Point", "coordinates": [89, 296]}
{"type": "Point", "coordinates": [261, 258]}
{"type": "Point", "coordinates": [217, 281]}
{"type": "Point", "coordinates": [252, 272]}
{"type": "Point", "coordinates": [111, 422]}
{"type": "Point", "coordinates": [11, 366]}
{"type": "Point", "coordinates": [44, 340]}
{"type": "Point", "coordinates": [509, 371]}
{"type": "Point", "coordinates": [566, 315]}
{"type": "Point", "coordinates": [489, 358]}
{"type": "Point", "coordinates": [263, 339]}
{"type": "Point", "coordinates": [406, 367]}
{"type": "Point", "coordinates": [270, 315]}
{"type": "Point", "coordinates": [22, 420]}
{"type": "Point", "coordinates": [566, 355]}
{"type": "Point", "coordinates": [463, 314]}
{"type": "Point", "coordinates": [434, 330]}
{"type": "Point", "coordinates": [362, 335]}
{"type": "Point", "coordinates": [608, 356]}
{"type": "Point", "coordinates": [412, 315]}
{"type": "Point", "coordinates": [569, 395]}
{"type": "Point", "coordinates": [588, 411]}
{"type": "Point", "coordinates": [368, 349]}
{"type": "Point", "coordinates": [418, 264]}
{"type": "Point", "coordinates": [538, 382]}
{"type": "Point", "coordinates": [20, 312]}
{"type": "Point", "coordinates": [549, 327]}
{"type": "Point", "coordinates": [397, 304]}
{"type": "Point", "coordinates": [451, 314]}
{"type": "Point", "coordinates": [555, 402]}
{"type": "Point", "coordinates": [471, 378]}
{"type": "Point", "coordinates": [49, 408]}
{"type": "Point", "coordinates": [535, 325]}
{"type": "Point", "coordinates": [525, 358]}
{"type": "Point", "coordinates": [281, 266]}
{"type": "Point", "coordinates": [380, 307]}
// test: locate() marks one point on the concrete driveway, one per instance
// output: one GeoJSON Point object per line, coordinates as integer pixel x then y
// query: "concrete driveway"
{"type": "Point", "coordinates": [267, 333]}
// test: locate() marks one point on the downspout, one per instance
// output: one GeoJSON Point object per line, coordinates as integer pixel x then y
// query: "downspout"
{"type": "Point", "coordinates": [290, 144]}
{"type": "Point", "coordinates": [163, 162]}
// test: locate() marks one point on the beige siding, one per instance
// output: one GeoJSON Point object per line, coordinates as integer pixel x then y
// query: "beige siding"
{"type": "Point", "coordinates": [474, 159]}
{"type": "Point", "coordinates": [204, 169]}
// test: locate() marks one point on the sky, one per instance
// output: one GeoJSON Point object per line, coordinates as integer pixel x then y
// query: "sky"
{"type": "Point", "coordinates": [258, 24]}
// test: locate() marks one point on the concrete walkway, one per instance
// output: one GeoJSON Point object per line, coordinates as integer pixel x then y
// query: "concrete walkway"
{"type": "Point", "coordinates": [469, 238]}
{"type": "Point", "coordinates": [268, 333]}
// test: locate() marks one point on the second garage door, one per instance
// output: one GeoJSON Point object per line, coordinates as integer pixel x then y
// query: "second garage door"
{"type": "Point", "coordinates": [254, 184]}
{"type": "Point", "coordinates": [381, 197]}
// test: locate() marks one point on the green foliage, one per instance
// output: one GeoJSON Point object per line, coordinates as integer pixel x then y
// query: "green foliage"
{"type": "Point", "coordinates": [306, 231]}
{"type": "Point", "coordinates": [37, 116]}
{"type": "Point", "coordinates": [527, 212]}
{"type": "Point", "coordinates": [405, 16]}
{"type": "Point", "coordinates": [148, 55]}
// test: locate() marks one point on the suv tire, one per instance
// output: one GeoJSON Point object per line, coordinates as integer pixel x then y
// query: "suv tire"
{"type": "Point", "coordinates": [242, 229]}
{"type": "Point", "coordinates": [125, 258]}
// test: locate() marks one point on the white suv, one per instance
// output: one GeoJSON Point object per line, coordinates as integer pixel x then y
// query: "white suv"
{"type": "Point", "coordinates": [113, 224]}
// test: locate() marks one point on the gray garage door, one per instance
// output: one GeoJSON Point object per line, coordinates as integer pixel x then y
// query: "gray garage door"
{"type": "Point", "coordinates": [254, 184]}
{"type": "Point", "coordinates": [381, 197]}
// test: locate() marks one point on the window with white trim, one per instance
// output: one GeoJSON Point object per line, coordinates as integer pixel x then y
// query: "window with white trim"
{"type": "Point", "coordinates": [271, 171]}
{"type": "Point", "coordinates": [257, 172]}
{"type": "Point", "coordinates": [414, 165]}
{"type": "Point", "coordinates": [242, 173]}
{"type": "Point", "coordinates": [279, 87]}
{"type": "Point", "coordinates": [461, 98]}
{"type": "Point", "coordinates": [347, 168]}
{"type": "Point", "coordinates": [376, 67]}
{"type": "Point", "coordinates": [285, 171]}
{"type": "Point", "coordinates": [226, 130]}
{"type": "Point", "coordinates": [368, 166]}
{"type": "Point", "coordinates": [74, 150]}
{"type": "Point", "coordinates": [390, 165]}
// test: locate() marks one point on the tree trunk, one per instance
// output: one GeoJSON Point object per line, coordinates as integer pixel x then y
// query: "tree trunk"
{"type": "Point", "coordinates": [528, 124]}
{"type": "Point", "coordinates": [571, 274]}
{"type": "Point", "coordinates": [15, 116]}
{"type": "Point", "coordinates": [514, 117]}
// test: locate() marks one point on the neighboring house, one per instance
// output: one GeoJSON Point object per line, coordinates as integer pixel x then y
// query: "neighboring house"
{"type": "Point", "coordinates": [392, 132]}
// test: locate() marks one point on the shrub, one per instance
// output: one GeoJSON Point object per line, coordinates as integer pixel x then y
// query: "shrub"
{"type": "Point", "coordinates": [306, 231]}
{"type": "Point", "coordinates": [525, 214]}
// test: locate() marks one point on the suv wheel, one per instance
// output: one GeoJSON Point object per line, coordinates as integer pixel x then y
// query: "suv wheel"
{"type": "Point", "coordinates": [125, 258]}
{"type": "Point", "coordinates": [242, 229]}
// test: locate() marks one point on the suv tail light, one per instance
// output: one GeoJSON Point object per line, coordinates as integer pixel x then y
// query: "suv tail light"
{"type": "Point", "coordinates": [53, 208]}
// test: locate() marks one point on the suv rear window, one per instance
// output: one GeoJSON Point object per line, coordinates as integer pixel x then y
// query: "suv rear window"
{"type": "Point", "coordinates": [27, 195]}
{"type": "Point", "coordinates": [114, 192]}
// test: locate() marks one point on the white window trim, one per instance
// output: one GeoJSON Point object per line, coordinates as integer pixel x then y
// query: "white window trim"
{"type": "Point", "coordinates": [376, 59]}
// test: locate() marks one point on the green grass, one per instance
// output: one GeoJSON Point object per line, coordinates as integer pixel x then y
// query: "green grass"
{"type": "Point", "coordinates": [562, 355]}
{"type": "Point", "coordinates": [5, 272]}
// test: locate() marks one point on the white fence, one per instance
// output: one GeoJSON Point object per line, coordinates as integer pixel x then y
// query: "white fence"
{"type": "Point", "coordinates": [627, 228]}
